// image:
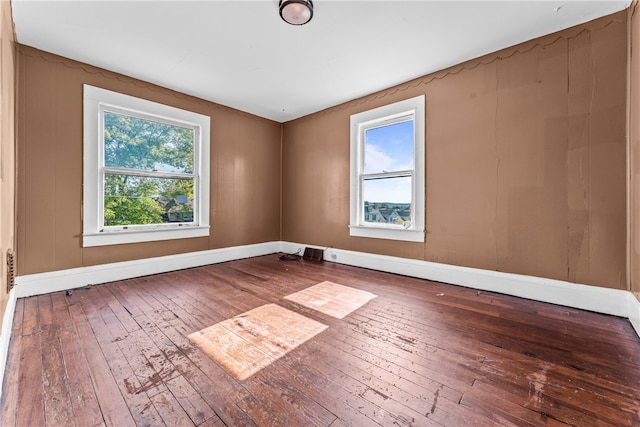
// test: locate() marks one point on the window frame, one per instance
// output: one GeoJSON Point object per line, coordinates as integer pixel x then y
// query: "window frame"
{"type": "Point", "coordinates": [94, 233]}
{"type": "Point", "coordinates": [409, 109]}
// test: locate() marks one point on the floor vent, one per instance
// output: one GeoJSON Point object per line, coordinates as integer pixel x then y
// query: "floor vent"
{"type": "Point", "coordinates": [312, 254]}
{"type": "Point", "coordinates": [11, 270]}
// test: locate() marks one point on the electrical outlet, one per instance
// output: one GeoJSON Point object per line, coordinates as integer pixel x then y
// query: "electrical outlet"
{"type": "Point", "coordinates": [334, 256]}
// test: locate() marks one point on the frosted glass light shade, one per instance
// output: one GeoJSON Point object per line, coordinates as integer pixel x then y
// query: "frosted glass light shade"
{"type": "Point", "coordinates": [296, 12]}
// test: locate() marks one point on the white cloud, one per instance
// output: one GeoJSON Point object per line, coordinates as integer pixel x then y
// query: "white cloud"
{"type": "Point", "coordinates": [376, 160]}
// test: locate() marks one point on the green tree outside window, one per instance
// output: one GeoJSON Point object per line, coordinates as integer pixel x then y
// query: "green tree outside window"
{"type": "Point", "coordinates": [148, 171]}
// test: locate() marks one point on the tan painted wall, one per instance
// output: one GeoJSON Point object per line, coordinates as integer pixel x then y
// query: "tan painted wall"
{"type": "Point", "coordinates": [7, 145]}
{"type": "Point", "coordinates": [633, 121]}
{"type": "Point", "coordinates": [525, 161]}
{"type": "Point", "coordinates": [245, 165]}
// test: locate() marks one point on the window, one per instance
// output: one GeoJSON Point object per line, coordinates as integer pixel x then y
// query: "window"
{"type": "Point", "coordinates": [387, 172]}
{"type": "Point", "coordinates": [146, 170]}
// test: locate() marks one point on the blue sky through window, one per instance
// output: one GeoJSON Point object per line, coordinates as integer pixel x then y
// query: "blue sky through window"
{"type": "Point", "coordinates": [388, 149]}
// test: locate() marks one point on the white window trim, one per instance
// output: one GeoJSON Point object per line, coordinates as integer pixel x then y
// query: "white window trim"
{"type": "Point", "coordinates": [357, 226]}
{"type": "Point", "coordinates": [92, 233]}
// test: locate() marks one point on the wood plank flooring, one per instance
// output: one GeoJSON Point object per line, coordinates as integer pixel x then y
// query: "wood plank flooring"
{"type": "Point", "coordinates": [269, 342]}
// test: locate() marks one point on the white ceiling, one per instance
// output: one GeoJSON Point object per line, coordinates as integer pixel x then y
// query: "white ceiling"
{"type": "Point", "coordinates": [241, 54]}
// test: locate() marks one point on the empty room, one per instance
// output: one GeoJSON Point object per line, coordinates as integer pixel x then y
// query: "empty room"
{"type": "Point", "coordinates": [319, 213]}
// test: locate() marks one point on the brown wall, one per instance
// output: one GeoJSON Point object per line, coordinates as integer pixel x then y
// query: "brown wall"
{"type": "Point", "coordinates": [7, 145]}
{"type": "Point", "coordinates": [633, 121]}
{"type": "Point", "coordinates": [525, 161]}
{"type": "Point", "coordinates": [245, 168]}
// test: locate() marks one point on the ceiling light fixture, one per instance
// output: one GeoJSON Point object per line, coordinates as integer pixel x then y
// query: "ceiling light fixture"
{"type": "Point", "coordinates": [296, 12]}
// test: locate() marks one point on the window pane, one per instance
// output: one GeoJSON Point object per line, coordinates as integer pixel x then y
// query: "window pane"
{"type": "Point", "coordinates": [134, 200]}
{"type": "Point", "coordinates": [387, 200]}
{"type": "Point", "coordinates": [134, 143]}
{"type": "Point", "coordinates": [389, 148]}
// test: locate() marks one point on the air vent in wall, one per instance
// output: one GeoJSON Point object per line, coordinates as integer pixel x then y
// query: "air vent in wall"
{"type": "Point", "coordinates": [11, 270]}
{"type": "Point", "coordinates": [312, 254]}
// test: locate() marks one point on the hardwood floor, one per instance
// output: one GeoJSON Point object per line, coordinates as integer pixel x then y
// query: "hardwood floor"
{"type": "Point", "coordinates": [268, 342]}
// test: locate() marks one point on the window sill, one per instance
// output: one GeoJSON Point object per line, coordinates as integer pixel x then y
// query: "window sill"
{"type": "Point", "coordinates": [138, 236]}
{"type": "Point", "coordinates": [387, 233]}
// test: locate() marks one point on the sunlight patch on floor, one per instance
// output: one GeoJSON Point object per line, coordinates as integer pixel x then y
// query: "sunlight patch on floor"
{"type": "Point", "coordinates": [332, 299]}
{"type": "Point", "coordinates": [249, 342]}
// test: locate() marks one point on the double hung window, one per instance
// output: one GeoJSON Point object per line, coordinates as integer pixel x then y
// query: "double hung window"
{"type": "Point", "coordinates": [387, 172]}
{"type": "Point", "coordinates": [146, 174]}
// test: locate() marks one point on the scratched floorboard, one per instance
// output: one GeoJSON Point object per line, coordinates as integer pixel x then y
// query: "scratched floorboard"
{"type": "Point", "coordinates": [221, 345]}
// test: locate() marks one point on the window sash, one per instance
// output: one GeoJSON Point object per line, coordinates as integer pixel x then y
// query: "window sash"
{"type": "Point", "coordinates": [381, 123]}
{"type": "Point", "coordinates": [382, 175]}
{"type": "Point", "coordinates": [389, 120]}
{"type": "Point", "coordinates": [149, 174]}
{"type": "Point", "coordinates": [108, 108]}
{"type": "Point", "coordinates": [146, 118]}
{"type": "Point", "coordinates": [193, 208]}
{"type": "Point", "coordinates": [378, 176]}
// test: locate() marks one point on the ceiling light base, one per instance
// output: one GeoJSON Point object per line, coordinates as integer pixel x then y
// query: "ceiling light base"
{"type": "Point", "coordinates": [296, 12]}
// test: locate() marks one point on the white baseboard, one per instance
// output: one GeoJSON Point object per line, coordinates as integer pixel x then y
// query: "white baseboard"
{"type": "Point", "coordinates": [634, 311]}
{"type": "Point", "coordinates": [593, 298]}
{"type": "Point", "coordinates": [5, 334]}
{"type": "Point", "coordinates": [54, 281]}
